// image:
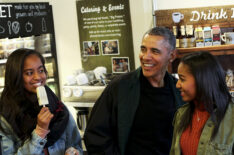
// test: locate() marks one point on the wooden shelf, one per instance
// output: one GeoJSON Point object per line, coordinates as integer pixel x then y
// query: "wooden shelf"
{"type": "Point", "coordinates": [215, 50]}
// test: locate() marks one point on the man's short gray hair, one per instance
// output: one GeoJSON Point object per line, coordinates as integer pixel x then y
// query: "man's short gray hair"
{"type": "Point", "coordinates": [164, 32]}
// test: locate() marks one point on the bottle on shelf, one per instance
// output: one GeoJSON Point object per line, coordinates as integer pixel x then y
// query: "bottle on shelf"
{"type": "Point", "coordinates": [190, 35]}
{"type": "Point", "coordinates": [176, 34]}
{"type": "Point", "coordinates": [207, 36]}
{"type": "Point", "coordinates": [199, 37]}
{"type": "Point", "coordinates": [183, 38]}
{"type": "Point", "coordinates": [216, 35]}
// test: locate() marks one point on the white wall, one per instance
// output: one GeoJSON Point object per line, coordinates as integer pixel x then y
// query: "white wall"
{"type": "Point", "coordinates": [142, 20]}
{"type": "Point", "coordinates": [67, 37]}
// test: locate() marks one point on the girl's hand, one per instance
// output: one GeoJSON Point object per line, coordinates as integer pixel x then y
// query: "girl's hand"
{"type": "Point", "coordinates": [44, 117]}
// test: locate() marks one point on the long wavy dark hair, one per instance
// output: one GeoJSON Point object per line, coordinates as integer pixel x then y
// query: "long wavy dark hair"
{"type": "Point", "coordinates": [18, 106]}
{"type": "Point", "coordinates": [211, 88]}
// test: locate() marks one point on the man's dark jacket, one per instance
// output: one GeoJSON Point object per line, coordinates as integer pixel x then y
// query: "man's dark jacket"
{"type": "Point", "coordinates": [113, 114]}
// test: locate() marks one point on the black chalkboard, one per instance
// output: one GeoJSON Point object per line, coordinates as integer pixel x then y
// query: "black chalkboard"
{"type": "Point", "coordinates": [25, 19]}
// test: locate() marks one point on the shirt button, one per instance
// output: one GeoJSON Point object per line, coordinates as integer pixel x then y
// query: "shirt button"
{"type": "Point", "coordinates": [41, 143]}
{"type": "Point", "coordinates": [209, 125]}
{"type": "Point", "coordinates": [202, 143]}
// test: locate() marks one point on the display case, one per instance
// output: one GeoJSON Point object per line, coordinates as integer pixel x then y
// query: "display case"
{"type": "Point", "coordinates": [29, 25]}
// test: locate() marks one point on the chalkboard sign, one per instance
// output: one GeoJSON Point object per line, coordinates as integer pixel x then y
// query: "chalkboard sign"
{"type": "Point", "coordinates": [25, 19]}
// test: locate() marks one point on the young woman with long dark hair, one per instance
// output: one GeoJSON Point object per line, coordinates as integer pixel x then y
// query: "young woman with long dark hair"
{"type": "Point", "coordinates": [205, 125]}
{"type": "Point", "coordinates": [26, 127]}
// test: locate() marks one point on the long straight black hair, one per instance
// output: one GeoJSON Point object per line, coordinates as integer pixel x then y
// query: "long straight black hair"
{"type": "Point", "coordinates": [211, 88]}
{"type": "Point", "coordinates": [15, 107]}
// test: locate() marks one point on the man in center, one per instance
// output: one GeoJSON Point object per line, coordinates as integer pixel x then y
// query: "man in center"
{"type": "Point", "coordinates": [134, 114]}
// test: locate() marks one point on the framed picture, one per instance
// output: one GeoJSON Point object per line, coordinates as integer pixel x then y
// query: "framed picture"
{"type": "Point", "coordinates": [120, 64]}
{"type": "Point", "coordinates": [91, 48]}
{"type": "Point", "coordinates": [110, 47]}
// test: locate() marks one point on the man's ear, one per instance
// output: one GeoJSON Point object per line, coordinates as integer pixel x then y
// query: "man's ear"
{"type": "Point", "coordinates": [173, 55]}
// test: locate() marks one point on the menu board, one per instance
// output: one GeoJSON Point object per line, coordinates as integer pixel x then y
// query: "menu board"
{"type": "Point", "coordinates": [106, 35]}
{"type": "Point", "coordinates": [25, 19]}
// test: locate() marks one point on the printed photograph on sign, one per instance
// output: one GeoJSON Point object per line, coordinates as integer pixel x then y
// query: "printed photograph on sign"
{"type": "Point", "coordinates": [120, 64]}
{"type": "Point", "coordinates": [91, 48]}
{"type": "Point", "coordinates": [110, 47]}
